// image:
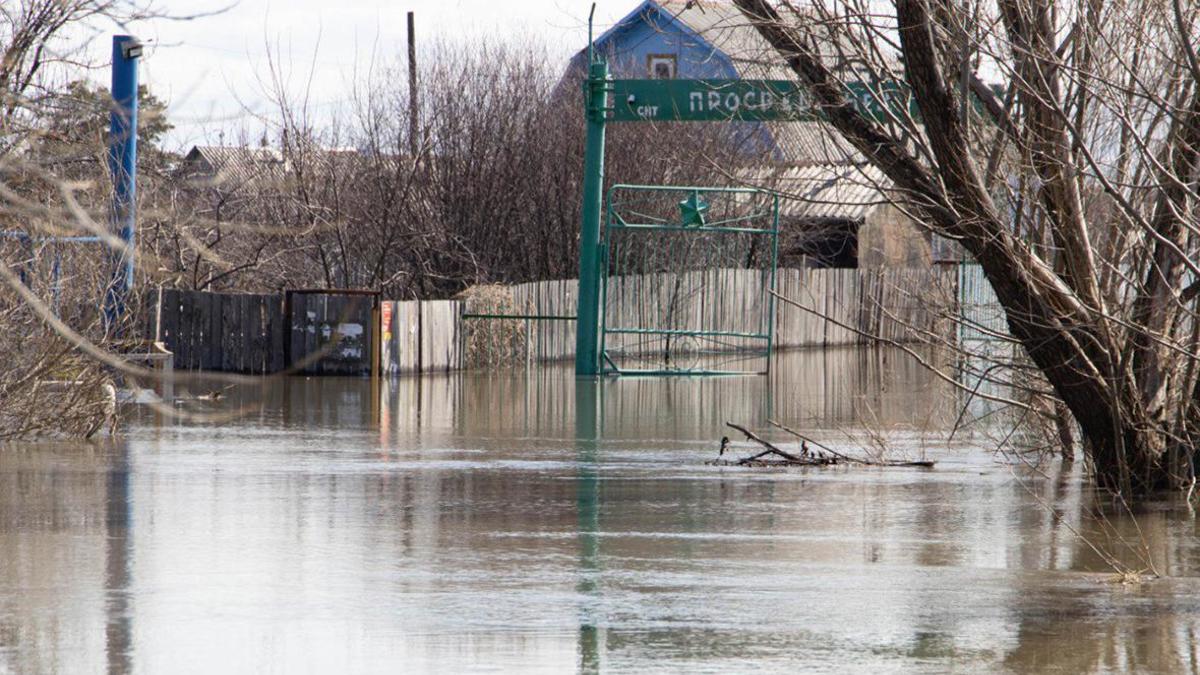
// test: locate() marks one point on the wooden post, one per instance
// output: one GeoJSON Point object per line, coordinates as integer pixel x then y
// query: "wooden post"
{"type": "Point", "coordinates": [376, 341]}
{"type": "Point", "coordinates": [229, 330]}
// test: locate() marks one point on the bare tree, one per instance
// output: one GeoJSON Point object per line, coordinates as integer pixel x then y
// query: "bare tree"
{"type": "Point", "coordinates": [1075, 191]}
{"type": "Point", "coordinates": [52, 187]}
{"type": "Point", "coordinates": [492, 195]}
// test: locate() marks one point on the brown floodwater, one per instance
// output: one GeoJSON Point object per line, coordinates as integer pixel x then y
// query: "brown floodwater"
{"type": "Point", "coordinates": [527, 522]}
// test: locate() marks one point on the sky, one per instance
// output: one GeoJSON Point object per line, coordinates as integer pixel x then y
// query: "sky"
{"type": "Point", "coordinates": [209, 68]}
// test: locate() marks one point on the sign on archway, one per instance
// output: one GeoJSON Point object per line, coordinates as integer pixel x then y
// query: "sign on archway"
{"type": "Point", "coordinates": [699, 251]}
{"type": "Point", "coordinates": [670, 100]}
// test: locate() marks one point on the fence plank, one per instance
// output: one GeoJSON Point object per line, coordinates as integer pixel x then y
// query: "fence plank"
{"type": "Point", "coordinates": [184, 357]}
{"type": "Point", "coordinates": [169, 333]}
{"type": "Point", "coordinates": [276, 332]}
{"type": "Point", "coordinates": [246, 313]}
{"type": "Point", "coordinates": [212, 332]}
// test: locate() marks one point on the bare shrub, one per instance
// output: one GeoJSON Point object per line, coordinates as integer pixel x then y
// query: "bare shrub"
{"type": "Point", "coordinates": [54, 188]}
{"type": "Point", "coordinates": [492, 342]}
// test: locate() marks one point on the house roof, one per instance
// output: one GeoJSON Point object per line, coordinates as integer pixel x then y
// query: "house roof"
{"type": "Point", "coordinates": [826, 192]}
{"type": "Point", "coordinates": [722, 25]}
{"type": "Point", "coordinates": [236, 165]}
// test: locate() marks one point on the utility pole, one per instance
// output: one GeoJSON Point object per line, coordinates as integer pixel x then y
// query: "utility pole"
{"type": "Point", "coordinates": [413, 145]}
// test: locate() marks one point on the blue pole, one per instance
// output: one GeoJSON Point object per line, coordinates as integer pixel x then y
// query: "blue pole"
{"type": "Point", "coordinates": [122, 163]}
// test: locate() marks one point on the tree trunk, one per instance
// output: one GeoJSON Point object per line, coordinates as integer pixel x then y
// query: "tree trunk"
{"type": "Point", "coordinates": [1060, 320]}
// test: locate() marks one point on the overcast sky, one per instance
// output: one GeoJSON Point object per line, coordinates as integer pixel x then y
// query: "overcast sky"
{"type": "Point", "coordinates": [208, 68]}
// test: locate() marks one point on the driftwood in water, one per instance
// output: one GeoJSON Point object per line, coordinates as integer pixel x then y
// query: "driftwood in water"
{"type": "Point", "coordinates": [772, 455]}
{"type": "Point", "coordinates": [919, 463]}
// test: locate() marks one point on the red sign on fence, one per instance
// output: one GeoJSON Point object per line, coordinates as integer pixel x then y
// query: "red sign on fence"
{"type": "Point", "coordinates": [385, 318]}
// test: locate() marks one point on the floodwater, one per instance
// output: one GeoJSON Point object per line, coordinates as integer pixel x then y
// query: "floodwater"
{"type": "Point", "coordinates": [514, 522]}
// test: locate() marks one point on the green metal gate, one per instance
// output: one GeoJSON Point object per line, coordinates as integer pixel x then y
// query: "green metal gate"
{"type": "Point", "coordinates": [688, 280]}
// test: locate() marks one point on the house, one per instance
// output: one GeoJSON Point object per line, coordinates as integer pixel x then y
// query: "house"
{"type": "Point", "coordinates": [682, 39]}
{"type": "Point", "coordinates": [232, 167]}
{"type": "Point", "coordinates": [836, 210]}
{"type": "Point", "coordinates": [235, 167]}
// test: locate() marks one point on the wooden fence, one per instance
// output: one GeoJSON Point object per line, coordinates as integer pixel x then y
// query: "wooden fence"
{"type": "Point", "coordinates": [982, 317]}
{"type": "Point", "coordinates": [263, 333]}
{"type": "Point", "coordinates": [247, 333]}
{"type": "Point", "coordinates": [837, 307]}
{"type": "Point", "coordinates": [851, 306]}
{"type": "Point", "coordinates": [420, 336]}
{"type": "Point", "coordinates": [236, 333]}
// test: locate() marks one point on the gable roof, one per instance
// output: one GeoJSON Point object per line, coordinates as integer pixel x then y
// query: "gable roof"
{"type": "Point", "coordinates": [717, 23]}
{"type": "Point", "coordinates": [846, 192]}
{"type": "Point", "coordinates": [237, 165]}
{"type": "Point", "coordinates": [722, 25]}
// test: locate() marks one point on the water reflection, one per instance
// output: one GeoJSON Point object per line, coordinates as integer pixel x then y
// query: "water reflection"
{"type": "Point", "coordinates": [588, 419]}
{"type": "Point", "coordinates": [529, 521]}
{"type": "Point", "coordinates": [828, 389]}
{"type": "Point", "coordinates": [118, 644]}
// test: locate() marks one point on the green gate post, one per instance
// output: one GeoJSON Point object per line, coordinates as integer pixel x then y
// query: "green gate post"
{"type": "Point", "coordinates": [587, 336]}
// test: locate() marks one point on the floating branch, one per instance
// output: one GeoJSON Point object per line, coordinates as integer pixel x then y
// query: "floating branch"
{"type": "Point", "coordinates": [921, 463]}
{"type": "Point", "coordinates": [822, 455]}
{"type": "Point", "coordinates": [772, 455]}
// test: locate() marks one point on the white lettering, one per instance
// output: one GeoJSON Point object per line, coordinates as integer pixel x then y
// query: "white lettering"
{"type": "Point", "coordinates": [768, 101]}
{"type": "Point", "coordinates": [732, 102]}
{"type": "Point", "coordinates": [747, 99]}
{"type": "Point", "coordinates": [696, 101]}
{"type": "Point", "coordinates": [714, 100]}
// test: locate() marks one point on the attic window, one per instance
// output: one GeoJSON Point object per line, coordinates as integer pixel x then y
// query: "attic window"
{"type": "Point", "coordinates": [660, 66]}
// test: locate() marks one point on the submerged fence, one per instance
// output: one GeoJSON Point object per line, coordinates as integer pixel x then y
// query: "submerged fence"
{"type": "Point", "coordinates": [229, 332]}
{"type": "Point", "coordinates": [982, 317]}
{"type": "Point", "coordinates": [836, 307]}
{"type": "Point", "coordinates": [252, 333]}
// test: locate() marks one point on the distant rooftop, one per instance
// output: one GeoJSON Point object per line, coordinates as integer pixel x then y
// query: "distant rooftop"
{"type": "Point", "coordinates": [236, 165]}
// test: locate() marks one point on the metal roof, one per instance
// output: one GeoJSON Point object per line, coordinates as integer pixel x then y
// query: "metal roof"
{"type": "Point", "coordinates": [237, 165]}
{"type": "Point", "coordinates": [826, 192]}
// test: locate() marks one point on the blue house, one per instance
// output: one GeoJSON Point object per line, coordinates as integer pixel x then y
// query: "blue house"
{"type": "Point", "coordinates": [711, 39]}
{"type": "Point", "coordinates": [837, 211]}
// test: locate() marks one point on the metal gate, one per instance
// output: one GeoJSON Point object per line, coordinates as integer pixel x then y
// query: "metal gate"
{"type": "Point", "coordinates": [689, 275]}
{"type": "Point", "coordinates": [332, 331]}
